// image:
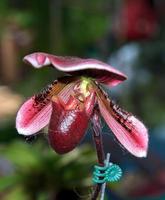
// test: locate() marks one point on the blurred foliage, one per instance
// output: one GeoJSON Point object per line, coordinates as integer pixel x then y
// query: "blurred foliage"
{"type": "Point", "coordinates": [81, 32]}
{"type": "Point", "coordinates": [80, 28]}
{"type": "Point", "coordinates": [152, 60]}
{"type": "Point", "coordinates": [39, 173]}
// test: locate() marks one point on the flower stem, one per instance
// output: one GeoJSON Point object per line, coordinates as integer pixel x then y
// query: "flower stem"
{"type": "Point", "coordinates": [96, 126]}
{"type": "Point", "coordinates": [104, 185]}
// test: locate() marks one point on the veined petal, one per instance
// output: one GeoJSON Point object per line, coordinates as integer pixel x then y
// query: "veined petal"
{"type": "Point", "coordinates": [32, 117]}
{"type": "Point", "coordinates": [103, 72]}
{"type": "Point", "coordinates": [69, 122]}
{"type": "Point", "coordinates": [35, 113]}
{"type": "Point", "coordinates": [130, 131]}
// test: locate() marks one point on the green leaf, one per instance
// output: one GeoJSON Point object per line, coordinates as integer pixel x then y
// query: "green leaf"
{"type": "Point", "coordinates": [8, 181]}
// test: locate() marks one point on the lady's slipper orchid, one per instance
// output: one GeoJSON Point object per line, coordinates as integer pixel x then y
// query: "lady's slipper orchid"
{"type": "Point", "coordinates": [68, 103]}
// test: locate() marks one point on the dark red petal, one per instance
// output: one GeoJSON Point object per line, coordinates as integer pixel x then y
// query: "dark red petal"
{"type": "Point", "coordinates": [130, 131]}
{"type": "Point", "coordinates": [103, 72]}
{"type": "Point", "coordinates": [68, 125]}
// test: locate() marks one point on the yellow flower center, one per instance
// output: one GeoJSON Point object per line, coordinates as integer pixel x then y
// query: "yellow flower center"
{"type": "Point", "coordinates": [84, 86]}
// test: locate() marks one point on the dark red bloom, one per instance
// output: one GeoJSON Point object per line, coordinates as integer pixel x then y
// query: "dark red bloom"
{"type": "Point", "coordinates": [67, 105]}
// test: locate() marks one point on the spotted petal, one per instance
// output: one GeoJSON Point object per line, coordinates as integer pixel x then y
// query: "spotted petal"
{"type": "Point", "coordinates": [129, 131]}
{"type": "Point", "coordinates": [103, 72]}
{"type": "Point", "coordinates": [35, 113]}
{"type": "Point", "coordinates": [32, 117]}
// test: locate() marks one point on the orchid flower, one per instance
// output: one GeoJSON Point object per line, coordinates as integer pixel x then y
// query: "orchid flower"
{"type": "Point", "coordinates": [67, 105]}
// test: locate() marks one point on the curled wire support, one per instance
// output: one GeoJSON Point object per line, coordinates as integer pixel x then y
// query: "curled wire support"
{"type": "Point", "coordinates": [107, 173]}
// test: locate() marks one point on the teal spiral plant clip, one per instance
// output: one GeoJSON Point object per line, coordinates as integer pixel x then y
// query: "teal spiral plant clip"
{"type": "Point", "coordinates": [108, 173]}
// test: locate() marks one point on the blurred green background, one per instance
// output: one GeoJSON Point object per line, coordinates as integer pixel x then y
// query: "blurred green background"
{"type": "Point", "coordinates": [129, 35]}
